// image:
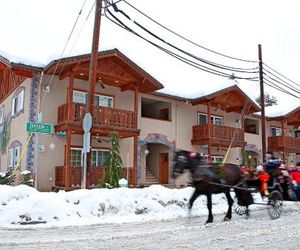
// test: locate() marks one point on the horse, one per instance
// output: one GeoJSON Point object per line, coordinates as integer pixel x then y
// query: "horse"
{"type": "Point", "coordinates": [208, 179]}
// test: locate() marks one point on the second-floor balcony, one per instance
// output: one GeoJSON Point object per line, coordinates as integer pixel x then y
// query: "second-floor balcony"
{"type": "Point", "coordinates": [218, 135]}
{"type": "Point", "coordinates": [105, 119]}
{"type": "Point", "coordinates": [284, 144]}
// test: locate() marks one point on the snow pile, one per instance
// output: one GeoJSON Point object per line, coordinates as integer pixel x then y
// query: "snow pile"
{"type": "Point", "coordinates": [23, 204]}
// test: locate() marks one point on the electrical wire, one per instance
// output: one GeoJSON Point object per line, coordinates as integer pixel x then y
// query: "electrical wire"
{"type": "Point", "coordinates": [192, 63]}
{"type": "Point", "coordinates": [281, 75]}
{"type": "Point", "coordinates": [213, 64]}
{"type": "Point", "coordinates": [283, 84]}
{"type": "Point", "coordinates": [277, 87]}
{"type": "Point", "coordinates": [186, 39]}
{"type": "Point", "coordinates": [62, 53]}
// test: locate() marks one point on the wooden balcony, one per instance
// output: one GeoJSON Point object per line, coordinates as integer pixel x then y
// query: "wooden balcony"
{"type": "Point", "coordinates": [218, 136]}
{"type": "Point", "coordinates": [105, 120]}
{"type": "Point", "coordinates": [95, 174]}
{"type": "Point", "coordinates": [284, 144]}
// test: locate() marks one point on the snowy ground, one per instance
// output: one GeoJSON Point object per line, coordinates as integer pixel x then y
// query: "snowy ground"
{"type": "Point", "coordinates": [23, 204]}
{"type": "Point", "coordinates": [258, 232]}
{"type": "Point", "coordinates": [149, 218]}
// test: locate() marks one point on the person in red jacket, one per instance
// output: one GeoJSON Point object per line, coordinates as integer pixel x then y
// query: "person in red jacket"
{"type": "Point", "coordinates": [295, 176]}
{"type": "Point", "coordinates": [264, 178]}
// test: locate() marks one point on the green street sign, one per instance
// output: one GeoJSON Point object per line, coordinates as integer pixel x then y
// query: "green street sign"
{"type": "Point", "coordinates": [34, 127]}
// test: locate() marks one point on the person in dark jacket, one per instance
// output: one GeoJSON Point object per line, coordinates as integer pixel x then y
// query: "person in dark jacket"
{"type": "Point", "coordinates": [272, 164]}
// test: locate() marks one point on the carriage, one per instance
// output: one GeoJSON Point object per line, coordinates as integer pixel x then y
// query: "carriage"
{"type": "Point", "coordinates": [279, 190]}
{"type": "Point", "coordinates": [209, 180]}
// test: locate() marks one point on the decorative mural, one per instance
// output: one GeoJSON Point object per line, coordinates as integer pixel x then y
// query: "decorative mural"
{"type": "Point", "coordinates": [5, 134]}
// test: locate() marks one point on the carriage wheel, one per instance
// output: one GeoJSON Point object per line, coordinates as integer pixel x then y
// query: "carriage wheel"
{"type": "Point", "coordinates": [275, 204]}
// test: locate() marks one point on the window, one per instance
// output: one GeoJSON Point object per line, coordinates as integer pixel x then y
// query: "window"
{"type": "Point", "coordinates": [99, 157]}
{"type": "Point", "coordinates": [17, 103]}
{"type": "Point", "coordinates": [76, 154]}
{"type": "Point", "coordinates": [276, 131]}
{"type": "Point", "coordinates": [79, 97]}
{"type": "Point", "coordinates": [202, 119]}
{"type": "Point", "coordinates": [104, 101]}
{"type": "Point", "coordinates": [215, 159]}
{"type": "Point", "coordinates": [99, 100]}
{"type": "Point", "coordinates": [251, 126]}
{"type": "Point", "coordinates": [1, 115]}
{"type": "Point", "coordinates": [14, 152]}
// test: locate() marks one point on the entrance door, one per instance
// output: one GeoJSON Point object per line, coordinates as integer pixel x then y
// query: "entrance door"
{"type": "Point", "coordinates": [164, 168]}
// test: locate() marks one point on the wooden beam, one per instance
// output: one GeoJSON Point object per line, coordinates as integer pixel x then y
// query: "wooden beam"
{"type": "Point", "coordinates": [236, 109]}
{"type": "Point", "coordinates": [67, 169]}
{"type": "Point", "coordinates": [102, 74]}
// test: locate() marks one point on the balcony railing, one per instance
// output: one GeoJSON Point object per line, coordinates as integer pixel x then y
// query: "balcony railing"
{"type": "Point", "coordinates": [96, 174]}
{"type": "Point", "coordinates": [103, 116]}
{"type": "Point", "coordinates": [219, 135]}
{"type": "Point", "coordinates": [284, 143]}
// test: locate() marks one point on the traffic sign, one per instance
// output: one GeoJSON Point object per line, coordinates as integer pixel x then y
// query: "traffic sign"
{"type": "Point", "coordinates": [43, 128]}
{"type": "Point", "coordinates": [87, 122]}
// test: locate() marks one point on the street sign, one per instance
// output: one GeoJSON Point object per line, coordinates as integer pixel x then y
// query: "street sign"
{"type": "Point", "coordinates": [35, 127]}
{"type": "Point", "coordinates": [87, 122]}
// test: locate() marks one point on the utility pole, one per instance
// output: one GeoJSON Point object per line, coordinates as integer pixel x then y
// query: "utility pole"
{"type": "Point", "coordinates": [91, 93]}
{"type": "Point", "coordinates": [262, 104]}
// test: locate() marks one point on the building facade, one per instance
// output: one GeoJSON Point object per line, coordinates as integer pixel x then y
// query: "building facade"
{"type": "Point", "coordinates": [150, 125]}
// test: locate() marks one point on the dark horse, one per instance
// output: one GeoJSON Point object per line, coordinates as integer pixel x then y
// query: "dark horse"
{"type": "Point", "coordinates": [204, 175]}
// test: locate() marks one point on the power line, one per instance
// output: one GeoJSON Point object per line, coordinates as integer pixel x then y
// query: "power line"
{"type": "Point", "coordinates": [283, 84]}
{"type": "Point", "coordinates": [282, 75]}
{"type": "Point", "coordinates": [277, 87]}
{"type": "Point", "coordinates": [63, 51]}
{"type": "Point", "coordinates": [175, 55]}
{"type": "Point", "coordinates": [186, 39]}
{"type": "Point", "coordinates": [213, 64]}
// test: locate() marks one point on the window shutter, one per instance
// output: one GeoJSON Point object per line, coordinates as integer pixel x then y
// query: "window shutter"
{"type": "Point", "coordinates": [13, 106]}
{"type": "Point", "coordinates": [20, 101]}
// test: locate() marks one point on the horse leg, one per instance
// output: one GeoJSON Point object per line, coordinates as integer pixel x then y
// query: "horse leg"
{"type": "Point", "coordinates": [247, 212]}
{"type": "Point", "coordinates": [229, 211]}
{"type": "Point", "coordinates": [209, 207]}
{"type": "Point", "coordinates": [191, 201]}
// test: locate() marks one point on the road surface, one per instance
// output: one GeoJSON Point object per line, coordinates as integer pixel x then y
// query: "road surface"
{"type": "Point", "coordinates": [257, 232]}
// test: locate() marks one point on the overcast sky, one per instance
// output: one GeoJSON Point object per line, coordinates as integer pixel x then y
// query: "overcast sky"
{"type": "Point", "coordinates": [35, 32]}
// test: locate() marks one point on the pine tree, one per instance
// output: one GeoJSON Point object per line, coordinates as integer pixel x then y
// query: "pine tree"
{"type": "Point", "coordinates": [269, 100]}
{"type": "Point", "coordinates": [113, 164]}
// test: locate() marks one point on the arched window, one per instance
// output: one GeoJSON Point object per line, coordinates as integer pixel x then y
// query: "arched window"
{"type": "Point", "coordinates": [17, 103]}
{"type": "Point", "coordinates": [14, 152]}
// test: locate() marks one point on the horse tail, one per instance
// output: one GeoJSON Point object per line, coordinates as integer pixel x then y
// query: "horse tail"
{"type": "Point", "coordinates": [244, 197]}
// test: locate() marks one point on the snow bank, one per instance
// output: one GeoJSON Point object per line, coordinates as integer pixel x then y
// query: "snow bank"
{"type": "Point", "coordinates": [23, 204]}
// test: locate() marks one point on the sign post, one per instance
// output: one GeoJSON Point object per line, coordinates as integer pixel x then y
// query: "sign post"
{"type": "Point", "coordinates": [37, 128]}
{"type": "Point", "coordinates": [87, 125]}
